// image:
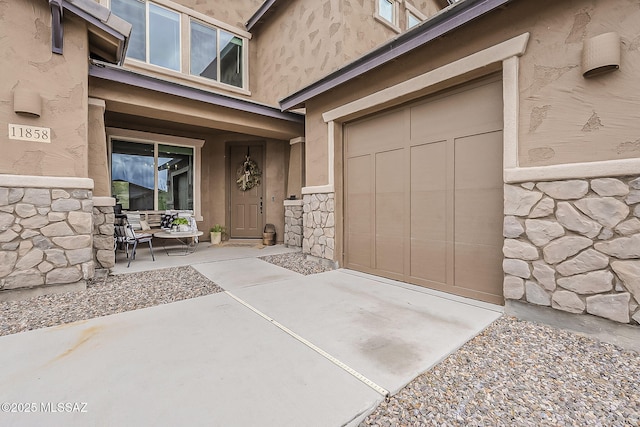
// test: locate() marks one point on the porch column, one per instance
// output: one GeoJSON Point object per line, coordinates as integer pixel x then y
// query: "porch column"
{"type": "Point", "coordinates": [296, 168]}
{"type": "Point", "coordinates": [97, 149]}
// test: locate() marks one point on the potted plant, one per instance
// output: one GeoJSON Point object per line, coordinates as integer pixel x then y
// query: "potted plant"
{"type": "Point", "coordinates": [216, 234]}
{"type": "Point", "coordinates": [181, 223]}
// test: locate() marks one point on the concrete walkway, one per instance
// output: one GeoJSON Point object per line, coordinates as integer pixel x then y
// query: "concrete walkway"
{"type": "Point", "coordinates": [276, 349]}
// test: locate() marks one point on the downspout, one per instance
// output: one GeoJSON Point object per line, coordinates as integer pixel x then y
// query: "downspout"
{"type": "Point", "coordinates": [57, 30]}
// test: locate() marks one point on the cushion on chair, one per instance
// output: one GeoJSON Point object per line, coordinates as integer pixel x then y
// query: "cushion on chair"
{"type": "Point", "coordinates": [133, 218]}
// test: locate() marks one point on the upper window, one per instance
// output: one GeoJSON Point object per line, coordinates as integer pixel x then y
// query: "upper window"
{"type": "Point", "coordinates": [386, 10]}
{"type": "Point", "coordinates": [412, 20]}
{"type": "Point", "coordinates": [214, 53]}
{"type": "Point", "coordinates": [155, 33]}
{"type": "Point", "coordinates": [387, 13]}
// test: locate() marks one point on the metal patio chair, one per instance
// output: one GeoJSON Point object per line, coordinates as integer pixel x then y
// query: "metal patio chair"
{"type": "Point", "coordinates": [126, 236]}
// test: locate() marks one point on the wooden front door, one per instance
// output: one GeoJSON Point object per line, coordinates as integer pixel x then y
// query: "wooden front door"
{"type": "Point", "coordinates": [247, 218]}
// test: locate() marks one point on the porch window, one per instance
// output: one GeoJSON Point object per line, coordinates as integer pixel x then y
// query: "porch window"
{"type": "Point", "coordinates": [151, 176]}
{"type": "Point", "coordinates": [216, 54]}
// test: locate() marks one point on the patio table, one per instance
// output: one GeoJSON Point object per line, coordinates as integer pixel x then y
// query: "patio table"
{"type": "Point", "coordinates": [187, 241]}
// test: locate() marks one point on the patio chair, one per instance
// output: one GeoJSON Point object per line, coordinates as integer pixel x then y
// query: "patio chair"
{"type": "Point", "coordinates": [126, 236]}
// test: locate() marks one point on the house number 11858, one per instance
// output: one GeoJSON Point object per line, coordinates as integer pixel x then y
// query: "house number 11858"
{"type": "Point", "coordinates": [29, 133]}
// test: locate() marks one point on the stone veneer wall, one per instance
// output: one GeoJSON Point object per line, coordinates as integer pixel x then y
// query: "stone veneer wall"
{"type": "Point", "coordinates": [45, 240]}
{"type": "Point", "coordinates": [574, 245]}
{"type": "Point", "coordinates": [103, 231]}
{"type": "Point", "coordinates": [319, 225]}
{"type": "Point", "coordinates": [293, 223]}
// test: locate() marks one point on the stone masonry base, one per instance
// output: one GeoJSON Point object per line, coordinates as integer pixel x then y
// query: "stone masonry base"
{"type": "Point", "coordinates": [319, 225]}
{"type": "Point", "coordinates": [574, 246]}
{"type": "Point", "coordinates": [293, 223]}
{"type": "Point", "coordinates": [45, 237]}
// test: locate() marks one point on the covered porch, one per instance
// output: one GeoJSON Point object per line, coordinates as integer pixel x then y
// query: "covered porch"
{"type": "Point", "coordinates": [156, 145]}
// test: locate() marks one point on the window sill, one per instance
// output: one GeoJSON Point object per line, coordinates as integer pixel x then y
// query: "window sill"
{"type": "Point", "coordinates": [387, 23]}
{"type": "Point", "coordinates": [178, 77]}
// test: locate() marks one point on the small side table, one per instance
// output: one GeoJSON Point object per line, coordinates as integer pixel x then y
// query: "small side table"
{"type": "Point", "coordinates": [187, 241]}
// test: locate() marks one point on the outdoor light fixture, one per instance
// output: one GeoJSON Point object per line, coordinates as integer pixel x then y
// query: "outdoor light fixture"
{"type": "Point", "coordinates": [27, 102]}
{"type": "Point", "coordinates": [601, 54]}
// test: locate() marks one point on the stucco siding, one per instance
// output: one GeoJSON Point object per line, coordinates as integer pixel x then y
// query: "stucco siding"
{"type": "Point", "coordinates": [563, 117]}
{"type": "Point", "coordinates": [307, 39]}
{"type": "Point", "coordinates": [233, 12]}
{"type": "Point", "coordinates": [28, 63]}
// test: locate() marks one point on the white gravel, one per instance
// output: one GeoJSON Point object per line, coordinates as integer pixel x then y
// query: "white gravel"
{"type": "Point", "coordinates": [518, 373]}
{"type": "Point", "coordinates": [114, 294]}
{"type": "Point", "coordinates": [297, 262]}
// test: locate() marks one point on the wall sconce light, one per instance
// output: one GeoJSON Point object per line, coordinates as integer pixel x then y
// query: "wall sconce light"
{"type": "Point", "coordinates": [27, 102]}
{"type": "Point", "coordinates": [601, 54]}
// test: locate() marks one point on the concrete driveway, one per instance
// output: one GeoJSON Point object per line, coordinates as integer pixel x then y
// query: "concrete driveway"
{"type": "Point", "coordinates": [276, 349]}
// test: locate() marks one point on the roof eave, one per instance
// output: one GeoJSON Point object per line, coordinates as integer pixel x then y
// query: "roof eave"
{"type": "Point", "coordinates": [444, 22]}
{"type": "Point", "coordinates": [117, 74]}
{"type": "Point", "coordinates": [259, 14]}
{"type": "Point", "coordinates": [103, 24]}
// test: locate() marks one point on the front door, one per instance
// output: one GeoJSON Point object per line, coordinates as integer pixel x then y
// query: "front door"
{"type": "Point", "coordinates": [246, 191]}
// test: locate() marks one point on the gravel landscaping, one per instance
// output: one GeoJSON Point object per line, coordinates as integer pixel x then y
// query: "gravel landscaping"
{"type": "Point", "coordinates": [519, 373]}
{"type": "Point", "coordinates": [297, 262]}
{"type": "Point", "coordinates": [114, 294]}
{"type": "Point", "coordinates": [515, 373]}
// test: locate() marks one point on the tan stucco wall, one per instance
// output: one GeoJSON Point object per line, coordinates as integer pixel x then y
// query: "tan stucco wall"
{"type": "Point", "coordinates": [277, 153]}
{"type": "Point", "coordinates": [233, 12]}
{"type": "Point", "coordinates": [307, 39]}
{"type": "Point", "coordinates": [296, 170]}
{"type": "Point", "coordinates": [565, 118]}
{"type": "Point", "coordinates": [214, 194]}
{"type": "Point", "coordinates": [557, 105]}
{"type": "Point", "coordinates": [97, 150]}
{"type": "Point", "coordinates": [26, 61]}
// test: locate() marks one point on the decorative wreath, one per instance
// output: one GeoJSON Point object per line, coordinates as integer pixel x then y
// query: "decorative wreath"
{"type": "Point", "coordinates": [248, 175]}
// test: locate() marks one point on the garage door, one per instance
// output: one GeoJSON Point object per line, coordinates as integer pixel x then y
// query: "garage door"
{"type": "Point", "coordinates": [424, 192]}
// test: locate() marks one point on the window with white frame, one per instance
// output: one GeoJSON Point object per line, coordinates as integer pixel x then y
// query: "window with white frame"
{"type": "Point", "coordinates": [412, 20]}
{"type": "Point", "coordinates": [386, 10]}
{"type": "Point", "coordinates": [414, 15]}
{"type": "Point", "coordinates": [214, 53]}
{"type": "Point", "coordinates": [387, 13]}
{"type": "Point", "coordinates": [155, 33]}
{"type": "Point", "coordinates": [152, 176]}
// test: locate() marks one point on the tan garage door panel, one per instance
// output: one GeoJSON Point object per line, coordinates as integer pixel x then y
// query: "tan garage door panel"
{"type": "Point", "coordinates": [360, 214]}
{"type": "Point", "coordinates": [423, 192]}
{"type": "Point", "coordinates": [389, 212]}
{"type": "Point", "coordinates": [428, 212]}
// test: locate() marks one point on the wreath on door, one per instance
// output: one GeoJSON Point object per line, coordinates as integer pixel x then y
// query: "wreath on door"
{"type": "Point", "coordinates": [248, 174]}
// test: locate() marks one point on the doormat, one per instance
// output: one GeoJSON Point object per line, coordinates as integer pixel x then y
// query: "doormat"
{"type": "Point", "coordinates": [243, 245]}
